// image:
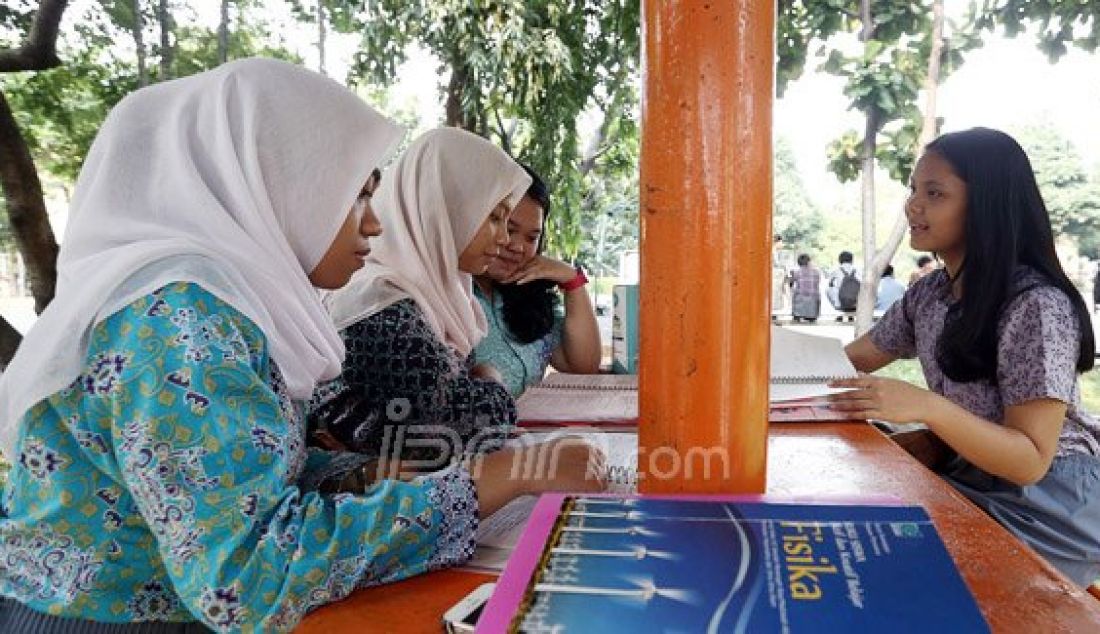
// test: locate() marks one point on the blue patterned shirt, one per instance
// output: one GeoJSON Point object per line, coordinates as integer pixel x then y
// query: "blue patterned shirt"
{"type": "Point", "coordinates": [164, 485]}
{"type": "Point", "coordinates": [520, 364]}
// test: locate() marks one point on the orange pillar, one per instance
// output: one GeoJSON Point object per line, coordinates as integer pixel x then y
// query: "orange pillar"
{"type": "Point", "coordinates": [706, 203]}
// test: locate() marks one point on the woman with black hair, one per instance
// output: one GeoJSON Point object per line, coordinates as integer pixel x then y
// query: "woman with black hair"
{"type": "Point", "coordinates": [519, 294]}
{"type": "Point", "coordinates": [1001, 335]}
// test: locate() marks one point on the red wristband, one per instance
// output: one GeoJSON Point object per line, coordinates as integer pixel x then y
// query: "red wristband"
{"type": "Point", "coordinates": [578, 281]}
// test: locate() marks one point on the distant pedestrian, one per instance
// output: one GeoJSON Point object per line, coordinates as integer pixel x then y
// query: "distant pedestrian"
{"type": "Point", "coordinates": [805, 291]}
{"type": "Point", "coordinates": [889, 289]}
{"type": "Point", "coordinates": [843, 289]}
{"type": "Point", "coordinates": [925, 265]}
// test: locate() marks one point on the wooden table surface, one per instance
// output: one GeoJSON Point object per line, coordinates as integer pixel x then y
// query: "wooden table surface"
{"type": "Point", "coordinates": [1015, 588]}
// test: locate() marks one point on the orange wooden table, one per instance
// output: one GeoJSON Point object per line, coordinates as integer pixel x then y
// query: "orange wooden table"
{"type": "Point", "coordinates": [1015, 588]}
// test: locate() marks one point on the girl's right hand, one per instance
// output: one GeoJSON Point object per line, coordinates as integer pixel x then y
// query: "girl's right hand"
{"type": "Point", "coordinates": [573, 464]}
{"type": "Point", "coordinates": [564, 464]}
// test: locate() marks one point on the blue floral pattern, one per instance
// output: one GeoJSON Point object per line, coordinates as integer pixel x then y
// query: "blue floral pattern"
{"type": "Point", "coordinates": [163, 485]}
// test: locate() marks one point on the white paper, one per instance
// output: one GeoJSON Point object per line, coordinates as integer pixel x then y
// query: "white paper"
{"type": "Point", "coordinates": [498, 534]}
{"type": "Point", "coordinates": [815, 359]}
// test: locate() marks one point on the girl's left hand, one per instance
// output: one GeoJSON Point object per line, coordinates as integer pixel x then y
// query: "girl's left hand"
{"type": "Point", "coordinates": [541, 267]}
{"type": "Point", "coordinates": [880, 398]}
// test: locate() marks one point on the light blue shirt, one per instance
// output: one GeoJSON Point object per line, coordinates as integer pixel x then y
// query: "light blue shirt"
{"type": "Point", "coordinates": [889, 291]}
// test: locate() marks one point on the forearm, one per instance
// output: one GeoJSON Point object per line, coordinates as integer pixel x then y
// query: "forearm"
{"type": "Point", "coordinates": [580, 344]}
{"type": "Point", "coordinates": [996, 449]}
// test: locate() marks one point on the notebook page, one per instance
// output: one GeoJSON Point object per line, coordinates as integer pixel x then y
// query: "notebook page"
{"type": "Point", "coordinates": [802, 364]}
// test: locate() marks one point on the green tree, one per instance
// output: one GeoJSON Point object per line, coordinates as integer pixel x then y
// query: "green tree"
{"type": "Point", "coordinates": [1072, 199]}
{"type": "Point", "coordinates": [796, 216]}
{"type": "Point", "coordinates": [1058, 22]}
{"type": "Point", "coordinates": [522, 73]}
{"type": "Point", "coordinates": [56, 111]}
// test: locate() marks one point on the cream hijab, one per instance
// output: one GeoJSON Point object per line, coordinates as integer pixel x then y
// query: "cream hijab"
{"type": "Point", "coordinates": [236, 179]}
{"type": "Point", "coordinates": [431, 204]}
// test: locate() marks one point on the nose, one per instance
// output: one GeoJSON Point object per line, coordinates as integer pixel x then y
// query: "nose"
{"type": "Point", "coordinates": [911, 205]}
{"type": "Point", "coordinates": [369, 225]}
{"type": "Point", "coordinates": [502, 236]}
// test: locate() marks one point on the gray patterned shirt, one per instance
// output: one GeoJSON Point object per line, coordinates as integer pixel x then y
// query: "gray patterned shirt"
{"type": "Point", "coordinates": [1037, 346]}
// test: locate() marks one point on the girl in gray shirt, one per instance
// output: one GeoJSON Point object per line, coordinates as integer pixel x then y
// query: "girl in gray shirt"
{"type": "Point", "coordinates": [1001, 335]}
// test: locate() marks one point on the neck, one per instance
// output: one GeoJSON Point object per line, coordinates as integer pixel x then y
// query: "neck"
{"type": "Point", "coordinates": [952, 263]}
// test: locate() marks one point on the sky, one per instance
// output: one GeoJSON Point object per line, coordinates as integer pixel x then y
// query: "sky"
{"type": "Point", "coordinates": [1006, 83]}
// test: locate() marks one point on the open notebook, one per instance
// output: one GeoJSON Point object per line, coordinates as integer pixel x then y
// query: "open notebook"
{"type": "Point", "coordinates": [802, 365]}
{"type": "Point", "coordinates": [580, 399]}
{"type": "Point", "coordinates": [498, 534]}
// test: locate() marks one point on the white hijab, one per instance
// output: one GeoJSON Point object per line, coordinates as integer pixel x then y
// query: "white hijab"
{"type": "Point", "coordinates": [236, 179]}
{"type": "Point", "coordinates": [431, 204]}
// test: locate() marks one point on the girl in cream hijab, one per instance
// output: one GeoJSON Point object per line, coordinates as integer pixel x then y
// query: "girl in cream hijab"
{"type": "Point", "coordinates": [157, 453]}
{"type": "Point", "coordinates": [409, 318]}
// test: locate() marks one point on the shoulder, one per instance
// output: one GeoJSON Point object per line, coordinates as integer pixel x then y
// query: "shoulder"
{"type": "Point", "coordinates": [933, 285]}
{"type": "Point", "coordinates": [188, 312]}
{"type": "Point", "coordinates": [398, 324]}
{"type": "Point", "coordinates": [1034, 293]}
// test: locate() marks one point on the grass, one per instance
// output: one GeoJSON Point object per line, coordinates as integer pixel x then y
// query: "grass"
{"type": "Point", "coordinates": [909, 370]}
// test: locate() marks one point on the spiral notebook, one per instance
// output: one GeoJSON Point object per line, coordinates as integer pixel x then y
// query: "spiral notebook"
{"type": "Point", "coordinates": [802, 365]}
{"type": "Point", "coordinates": [580, 399]}
{"type": "Point", "coordinates": [498, 534]}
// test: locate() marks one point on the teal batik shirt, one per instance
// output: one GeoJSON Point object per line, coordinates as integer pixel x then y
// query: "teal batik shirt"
{"type": "Point", "coordinates": [521, 364]}
{"type": "Point", "coordinates": [164, 485]}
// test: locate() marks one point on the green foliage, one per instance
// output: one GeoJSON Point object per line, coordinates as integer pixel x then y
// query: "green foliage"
{"type": "Point", "coordinates": [796, 216]}
{"type": "Point", "coordinates": [1059, 22]}
{"type": "Point", "coordinates": [59, 111]}
{"type": "Point", "coordinates": [799, 22]}
{"type": "Point", "coordinates": [15, 18]}
{"type": "Point", "coordinates": [1072, 199]}
{"type": "Point", "coordinates": [522, 72]}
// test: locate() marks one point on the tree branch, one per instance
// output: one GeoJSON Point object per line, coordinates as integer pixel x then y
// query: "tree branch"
{"type": "Point", "coordinates": [39, 52]}
{"type": "Point", "coordinates": [505, 138]}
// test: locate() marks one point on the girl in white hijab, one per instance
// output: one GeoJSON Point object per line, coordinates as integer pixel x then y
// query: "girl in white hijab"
{"type": "Point", "coordinates": [156, 451]}
{"type": "Point", "coordinates": [409, 318]}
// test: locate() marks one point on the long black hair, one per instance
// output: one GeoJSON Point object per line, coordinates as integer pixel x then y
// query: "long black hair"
{"type": "Point", "coordinates": [1006, 225]}
{"type": "Point", "coordinates": [529, 308]}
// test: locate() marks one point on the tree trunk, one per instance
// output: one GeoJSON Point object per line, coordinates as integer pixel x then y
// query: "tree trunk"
{"type": "Point", "coordinates": [867, 290]}
{"type": "Point", "coordinates": [137, 29]}
{"type": "Point", "coordinates": [166, 52]}
{"type": "Point", "coordinates": [27, 209]}
{"type": "Point", "coordinates": [18, 178]}
{"type": "Point", "coordinates": [456, 87]}
{"type": "Point", "coordinates": [927, 134]}
{"type": "Point", "coordinates": [321, 37]}
{"type": "Point", "coordinates": [9, 341]}
{"type": "Point", "coordinates": [928, 129]}
{"type": "Point", "coordinates": [866, 306]}
{"type": "Point", "coordinates": [223, 34]}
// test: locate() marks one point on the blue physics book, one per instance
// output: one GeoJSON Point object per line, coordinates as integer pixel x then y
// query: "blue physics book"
{"type": "Point", "coordinates": [713, 564]}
